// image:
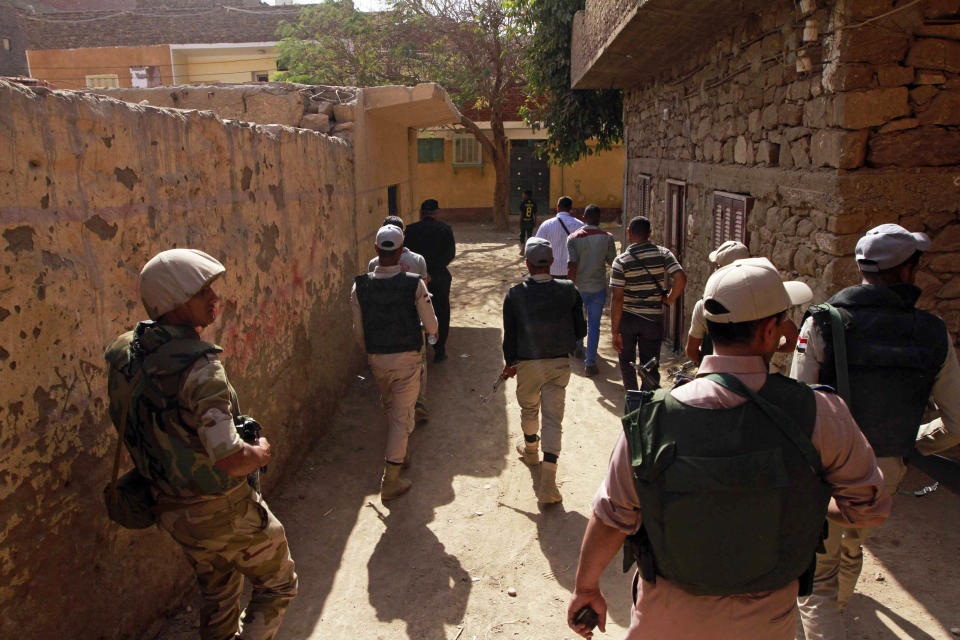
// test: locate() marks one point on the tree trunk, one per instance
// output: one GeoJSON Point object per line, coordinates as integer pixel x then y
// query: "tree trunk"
{"type": "Point", "coordinates": [501, 190]}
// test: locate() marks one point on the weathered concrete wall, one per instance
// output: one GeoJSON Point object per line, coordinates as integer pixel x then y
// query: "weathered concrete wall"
{"type": "Point", "coordinates": [69, 68]}
{"type": "Point", "coordinates": [91, 188]}
{"type": "Point", "coordinates": [853, 125]}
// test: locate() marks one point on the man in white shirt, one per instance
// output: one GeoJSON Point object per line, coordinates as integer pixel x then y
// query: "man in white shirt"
{"type": "Point", "coordinates": [556, 230]}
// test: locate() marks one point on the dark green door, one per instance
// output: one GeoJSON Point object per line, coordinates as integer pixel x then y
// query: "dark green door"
{"type": "Point", "coordinates": [527, 171]}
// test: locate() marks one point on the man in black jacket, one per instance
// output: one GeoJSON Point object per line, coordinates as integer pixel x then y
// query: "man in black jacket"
{"type": "Point", "coordinates": [434, 241]}
{"type": "Point", "coordinates": [542, 321]}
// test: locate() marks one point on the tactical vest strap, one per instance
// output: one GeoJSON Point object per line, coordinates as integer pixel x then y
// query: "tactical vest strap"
{"type": "Point", "coordinates": [784, 422]}
{"type": "Point", "coordinates": [839, 346]}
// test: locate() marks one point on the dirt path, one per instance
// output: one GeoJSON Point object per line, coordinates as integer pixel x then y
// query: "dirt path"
{"type": "Point", "coordinates": [437, 563]}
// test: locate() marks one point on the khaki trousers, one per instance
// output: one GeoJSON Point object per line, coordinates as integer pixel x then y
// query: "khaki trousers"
{"type": "Point", "coordinates": [225, 539]}
{"type": "Point", "coordinates": [422, 394]}
{"type": "Point", "coordinates": [542, 389]}
{"type": "Point", "coordinates": [398, 375]}
{"type": "Point", "coordinates": [838, 568]}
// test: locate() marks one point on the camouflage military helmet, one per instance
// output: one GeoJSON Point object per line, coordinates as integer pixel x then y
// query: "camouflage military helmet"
{"type": "Point", "coordinates": [174, 276]}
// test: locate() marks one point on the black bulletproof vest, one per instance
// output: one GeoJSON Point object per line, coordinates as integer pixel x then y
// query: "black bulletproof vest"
{"type": "Point", "coordinates": [391, 323]}
{"type": "Point", "coordinates": [894, 353]}
{"type": "Point", "coordinates": [544, 313]}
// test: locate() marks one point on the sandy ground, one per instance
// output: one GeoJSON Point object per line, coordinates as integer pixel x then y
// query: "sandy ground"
{"type": "Point", "coordinates": [437, 563]}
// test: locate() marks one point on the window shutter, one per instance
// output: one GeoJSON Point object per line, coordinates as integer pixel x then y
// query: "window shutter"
{"type": "Point", "coordinates": [730, 211]}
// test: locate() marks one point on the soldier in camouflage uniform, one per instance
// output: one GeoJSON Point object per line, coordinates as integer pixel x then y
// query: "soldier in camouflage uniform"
{"type": "Point", "coordinates": [181, 436]}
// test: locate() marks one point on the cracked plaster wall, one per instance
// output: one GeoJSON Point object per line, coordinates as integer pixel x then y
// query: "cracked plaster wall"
{"type": "Point", "coordinates": [90, 189]}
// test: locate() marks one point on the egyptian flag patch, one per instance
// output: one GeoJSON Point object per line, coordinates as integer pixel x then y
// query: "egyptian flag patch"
{"type": "Point", "coordinates": [802, 345]}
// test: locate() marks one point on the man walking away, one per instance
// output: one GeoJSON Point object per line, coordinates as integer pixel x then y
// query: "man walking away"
{"type": "Point", "coordinates": [897, 359]}
{"type": "Point", "coordinates": [638, 279]}
{"type": "Point", "coordinates": [555, 230]}
{"type": "Point", "coordinates": [177, 412]}
{"type": "Point", "coordinates": [722, 484]}
{"type": "Point", "coordinates": [542, 319]}
{"type": "Point", "coordinates": [528, 218]}
{"type": "Point", "coordinates": [434, 241]}
{"type": "Point", "coordinates": [590, 249]}
{"type": "Point", "coordinates": [411, 262]}
{"type": "Point", "coordinates": [389, 307]}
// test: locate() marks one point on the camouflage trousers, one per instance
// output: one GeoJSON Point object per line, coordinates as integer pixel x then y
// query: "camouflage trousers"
{"type": "Point", "coordinates": [226, 538]}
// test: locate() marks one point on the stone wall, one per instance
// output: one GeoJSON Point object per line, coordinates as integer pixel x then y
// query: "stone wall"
{"type": "Point", "coordinates": [13, 62]}
{"type": "Point", "coordinates": [833, 121]}
{"type": "Point", "coordinates": [595, 23]}
{"type": "Point", "coordinates": [91, 188]}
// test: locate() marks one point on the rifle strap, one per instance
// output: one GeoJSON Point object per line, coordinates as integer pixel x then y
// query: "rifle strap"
{"type": "Point", "coordinates": [650, 273]}
{"type": "Point", "coordinates": [839, 351]}
{"type": "Point", "coordinates": [122, 428]}
{"type": "Point", "coordinates": [786, 423]}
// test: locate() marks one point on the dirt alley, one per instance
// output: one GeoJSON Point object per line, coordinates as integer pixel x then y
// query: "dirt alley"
{"type": "Point", "coordinates": [437, 563]}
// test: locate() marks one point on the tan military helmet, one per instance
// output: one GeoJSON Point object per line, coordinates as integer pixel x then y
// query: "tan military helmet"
{"type": "Point", "coordinates": [174, 276]}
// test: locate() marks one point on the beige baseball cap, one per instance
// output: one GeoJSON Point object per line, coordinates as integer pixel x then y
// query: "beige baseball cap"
{"type": "Point", "coordinates": [751, 289]}
{"type": "Point", "coordinates": [728, 252]}
{"type": "Point", "coordinates": [174, 276]}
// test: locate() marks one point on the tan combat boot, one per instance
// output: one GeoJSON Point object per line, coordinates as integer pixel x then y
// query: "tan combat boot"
{"type": "Point", "coordinates": [392, 485]}
{"type": "Point", "coordinates": [548, 492]}
{"type": "Point", "coordinates": [529, 451]}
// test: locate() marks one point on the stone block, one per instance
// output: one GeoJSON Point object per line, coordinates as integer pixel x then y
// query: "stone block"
{"type": "Point", "coordinates": [935, 221]}
{"type": "Point", "coordinates": [819, 112]}
{"type": "Point", "coordinates": [846, 224]}
{"type": "Point", "coordinates": [799, 90]}
{"type": "Point", "coordinates": [345, 112]}
{"type": "Point", "coordinates": [920, 147]}
{"type": "Point", "coordinates": [800, 150]}
{"type": "Point", "coordinates": [792, 133]}
{"type": "Point", "coordinates": [947, 240]}
{"type": "Point", "coordinates": [790, 114]}
{"type": "Point", "coordinates": [922, 95]}
{"type": "Point", "coordinates": [754, 121]}
{"type": "Point", "coordinates": [316, 122]}
{"type": "Point", "coordinates": [802, 228]}
{"type": "Point", "coordinates": [943, 264]}
{"type": "Point", "coordinates": [943, 110]}
{"type": "Point", "coordinates": [940, 8]}
{"type": "Point", "coordinates": [899, 125]}
{"type": "Point", "coordinates": [948, 31]}
{"type": "Point", "coordinates": [894, 75]}
{"type": "Point", "coordinates": [343, 127]}
{"type": "Point", "coordinates": [840, 272]}
{"type": "Point", "coordinates": [935, 53]}
{"type": "Point", "coordinates": [836, 245]}
{"type": "Point", "coordinates": [839, 148]}
{"type": "Point", "coordinates": [324, 107]}
{"type": "Point", "coordinates": [769, 118]}
{"type": "Point", "coordinates": [926, 76]}
{"type": "Point", "coordinates": [727, 152]}
{"type": "Point", "coordinates": [862, 109]}
{"type": "Point", "coordinates": [740, 150]}
{"type": "Point", "coordinates": [782, 255]}
{"type": "Point", "coordinates": [816, 85]}
{"type": "Point", "coordinates": [872, 44]}
{"type": "Point", "coordinates": [805, 261]}
{"type": "Point", "coordinates": [839, 77]}
{"type": "Point", "coordinates": [950, 290]}
{"type": "Point", "coordinates": [768, 153]}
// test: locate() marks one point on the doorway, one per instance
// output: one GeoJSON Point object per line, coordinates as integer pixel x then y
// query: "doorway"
{"type": "Point", "coordinates": [673, 237]}
{"type": "Point", "coordinates": [528, 171]}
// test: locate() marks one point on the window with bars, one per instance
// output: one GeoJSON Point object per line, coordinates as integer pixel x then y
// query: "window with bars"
{"type": "Point", "coordinates": [429, 149]}
{"type": "Point", "coordinates": [103, 81]}
{"type": "Point", "coordinates": [467, 152]}
{"type": "Point", "coordinates": [730, 211]}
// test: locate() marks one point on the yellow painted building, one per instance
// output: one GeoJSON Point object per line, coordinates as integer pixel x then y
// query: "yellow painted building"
{"type": "Point", "coordinates": [451, 167]}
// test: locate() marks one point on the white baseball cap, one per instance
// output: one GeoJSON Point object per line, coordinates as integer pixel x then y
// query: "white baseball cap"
{"type": "Point", "coordinates": [389, 238]}
{"type": "Point", "coordinates": [728, 252]}
{"type": "Point", "coordinates": [172, 277]}
{"type": "Point", "coordinates": [888, 246]}
{"type": "Point", "coordinates": [751, 289]}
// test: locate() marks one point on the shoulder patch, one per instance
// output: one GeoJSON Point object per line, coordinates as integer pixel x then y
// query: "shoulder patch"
{"type": "Point", "coordinates": [801, 345]}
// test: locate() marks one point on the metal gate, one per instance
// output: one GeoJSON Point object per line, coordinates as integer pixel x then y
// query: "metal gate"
{"type": "Point", "coordinates": [527, 171]}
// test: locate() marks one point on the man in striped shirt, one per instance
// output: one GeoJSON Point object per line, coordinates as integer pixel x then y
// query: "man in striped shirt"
{"type": "Point", "coordinates": [556, 230]}
{"type": "Point", "coordinates": [638, 279]}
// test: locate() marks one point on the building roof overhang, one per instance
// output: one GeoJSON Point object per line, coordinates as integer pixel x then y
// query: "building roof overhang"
{"type": "Point", "coordinates": [645, 37]}
{"type": "Point", "coordinates": [424, 105]}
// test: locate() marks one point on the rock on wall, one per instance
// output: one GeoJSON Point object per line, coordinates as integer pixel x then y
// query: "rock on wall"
{"type": "Point", "coordinates": [90, 189]}
{"type": "Point", "coordinates": [834, 122]}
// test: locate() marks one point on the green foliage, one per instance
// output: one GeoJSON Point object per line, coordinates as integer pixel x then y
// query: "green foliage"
{"type": "Point", "coordinates": [572, 118]}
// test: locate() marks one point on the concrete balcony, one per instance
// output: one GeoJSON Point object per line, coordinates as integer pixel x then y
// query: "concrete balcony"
{"type": "Point", "coordinates": [623, 43]}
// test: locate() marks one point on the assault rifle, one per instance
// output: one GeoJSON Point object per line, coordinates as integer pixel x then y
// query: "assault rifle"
{"type": "Point", "coordinates": [249, 431]}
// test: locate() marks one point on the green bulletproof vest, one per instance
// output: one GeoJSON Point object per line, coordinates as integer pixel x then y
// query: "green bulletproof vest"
{"type": "Point", "coordinates": [732, 501]}
{"type": "Point", "coordinates": [165, 450]}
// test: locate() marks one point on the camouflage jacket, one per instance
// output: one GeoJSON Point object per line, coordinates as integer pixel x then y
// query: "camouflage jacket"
{"type": "Point", "coordinates": [180, 419]}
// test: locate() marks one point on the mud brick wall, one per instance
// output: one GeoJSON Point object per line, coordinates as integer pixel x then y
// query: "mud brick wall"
{"type": "Point", "coordinates": [90, 189]}
{"type": "Point", "coordinates": [834, 121]}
